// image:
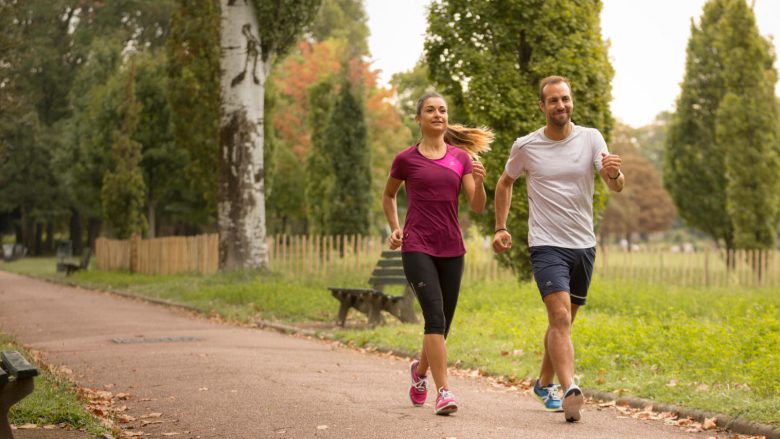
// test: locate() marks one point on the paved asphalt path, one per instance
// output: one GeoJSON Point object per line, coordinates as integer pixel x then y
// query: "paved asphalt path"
{"type": "Point", "coordinates": [212, 380]}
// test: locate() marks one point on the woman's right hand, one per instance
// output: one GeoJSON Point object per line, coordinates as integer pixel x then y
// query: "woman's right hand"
{"type": "Point", "coordinates": [396, 239]}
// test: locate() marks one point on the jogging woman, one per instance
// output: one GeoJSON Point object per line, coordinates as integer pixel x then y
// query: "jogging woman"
{"type": "Point", "coordinates": [435, 170]}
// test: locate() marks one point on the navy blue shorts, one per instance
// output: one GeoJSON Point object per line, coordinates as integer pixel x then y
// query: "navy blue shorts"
{"type": "Point", "coordinates": [563, 269]}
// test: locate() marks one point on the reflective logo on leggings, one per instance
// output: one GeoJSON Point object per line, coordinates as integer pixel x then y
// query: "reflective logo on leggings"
{"type": "Point", "coordinates": [421, 284]}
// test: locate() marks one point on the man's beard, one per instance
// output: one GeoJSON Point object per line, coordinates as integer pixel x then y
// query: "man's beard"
{"type": "Point", "coordinates": [561, 122]}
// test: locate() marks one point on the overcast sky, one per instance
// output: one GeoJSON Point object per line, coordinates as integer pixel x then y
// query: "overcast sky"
{"type": "Point", "coordinates": [648, 41]}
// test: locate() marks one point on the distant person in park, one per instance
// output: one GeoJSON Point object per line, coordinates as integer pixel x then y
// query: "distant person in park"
{"type": "Point", "coordinates": [434, 171]}
{"type": "Point", "coordinates": [558, 161]}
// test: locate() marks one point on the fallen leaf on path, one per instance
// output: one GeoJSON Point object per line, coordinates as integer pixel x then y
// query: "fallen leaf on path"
{"type": "Point", "coordinates": [203, 389]}
{"type": "Point", "coordinates": [173, 433]}
{"type": "Point", "coordinates": [132, 433]}
{"type": "Point", "coordinates": [144, 422]}
{"type": "Point", "coordinates": [684, 421]}
{"type": "Point", "coordinates": [322, 427]}
{"type": "Point", "coordinates": [27, 427]}
{"type": "Point", "coordinates": [607, 404]}
{"type": "Point", "coordinates": [123, 396]}
{"type": "Point", "coordinates": [709, 424]}
{"type": "Point", "coordinates": [151, 415]}
{"type": "Point", "coordinates": [124, 419]}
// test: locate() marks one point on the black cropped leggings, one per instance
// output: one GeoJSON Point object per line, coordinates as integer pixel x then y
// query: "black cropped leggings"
{"type": "Point", "coordinates": [436, 283]}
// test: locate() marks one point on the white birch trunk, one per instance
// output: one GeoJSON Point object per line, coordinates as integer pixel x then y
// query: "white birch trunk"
{"type": "Point", "coordinates": [241, 196]}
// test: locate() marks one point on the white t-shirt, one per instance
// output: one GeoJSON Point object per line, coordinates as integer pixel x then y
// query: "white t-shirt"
{"type": "Point", "coordinates": [559, 179]}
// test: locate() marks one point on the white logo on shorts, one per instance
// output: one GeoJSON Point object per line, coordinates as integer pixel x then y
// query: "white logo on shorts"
{"type": "Point", "coordinates": [549, 282]}
{"type": "Point", "coordinates": [421, 284]}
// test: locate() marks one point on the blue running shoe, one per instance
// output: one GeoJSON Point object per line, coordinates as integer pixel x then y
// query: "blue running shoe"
{"type": "Point", "coordinates": [549, 396]}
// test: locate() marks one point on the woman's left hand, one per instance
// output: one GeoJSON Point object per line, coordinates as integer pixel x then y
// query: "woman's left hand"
{"type": "Point", "coordinates": [478, 172]}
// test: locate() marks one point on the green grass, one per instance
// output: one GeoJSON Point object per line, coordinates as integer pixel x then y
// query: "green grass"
{"type": "Point", "coordinates": [715, 349]}
{"type": "Point", "coordinates": [52, 402]}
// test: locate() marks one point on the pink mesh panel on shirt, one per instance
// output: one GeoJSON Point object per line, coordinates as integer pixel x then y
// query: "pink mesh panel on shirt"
{"type": "Point", "coordinates": [451, 162]}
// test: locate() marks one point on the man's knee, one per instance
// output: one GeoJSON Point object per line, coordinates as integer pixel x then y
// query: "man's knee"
{"type": "Point", "coordinates": [560, 319]}
{"type": "Point", "coordinates": [559, 310]}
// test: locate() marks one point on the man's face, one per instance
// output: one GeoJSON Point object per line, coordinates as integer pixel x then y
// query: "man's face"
{"type": "Point", "coordinates": [557, 104]}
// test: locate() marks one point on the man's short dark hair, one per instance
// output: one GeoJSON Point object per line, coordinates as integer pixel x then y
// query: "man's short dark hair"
{"type": "Point", "coordinates": [551, 80]}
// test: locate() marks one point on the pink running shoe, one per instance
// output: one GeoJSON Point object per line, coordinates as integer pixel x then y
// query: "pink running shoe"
{"type": "Point", "coordinates": [419, 388]}
{"type": "Point", "coordinates": [445, 403]}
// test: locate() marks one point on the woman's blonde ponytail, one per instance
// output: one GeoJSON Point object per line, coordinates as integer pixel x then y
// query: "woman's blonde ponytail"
{"type": "Point", "coordinates": [472, 140]}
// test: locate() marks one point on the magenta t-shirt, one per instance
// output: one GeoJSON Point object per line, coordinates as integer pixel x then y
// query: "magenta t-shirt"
{"type": "Point", "coordinates": [432, 188]}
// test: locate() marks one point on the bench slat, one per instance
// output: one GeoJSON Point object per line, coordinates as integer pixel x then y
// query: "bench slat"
{"type": "Point", "coordinates": [3, 377]}
{"type": "Point", "coordinates": [390, 263]}
{"type": "Point", "coordinates": [384, 271]}
{"type": "Point", "coordinates": [387, 281]}
{"type": "Point", "coordinates": [17, 366]}
{"type": "Point", "coordinates": [391, 254]}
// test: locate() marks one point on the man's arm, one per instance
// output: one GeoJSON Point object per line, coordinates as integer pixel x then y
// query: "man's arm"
{"type": "Point", "coordinates": [502, 240]}
{"type": "Point", "coordinates": [611, 173]}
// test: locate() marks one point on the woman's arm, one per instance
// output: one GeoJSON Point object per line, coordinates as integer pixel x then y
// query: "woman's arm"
{"type": "Point", "coordinates": [390, 206]}
{"type": "Point", "coordinates": [473, 185]}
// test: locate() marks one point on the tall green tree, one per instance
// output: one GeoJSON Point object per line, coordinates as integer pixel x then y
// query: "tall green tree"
{"type": "Point", "coordinates": [350, 194]}
{"type": "Point", "coordinates": [123, 187]}
{"type": "Point", "coordinates": [193, 92]}
{"type": "Point", "coordinates": [721, 164]}
{"type": "Point", "coordinates": [319, 163]}
{"type": "Point", "coordinates": [252, 35]}
{"type": "Point", "coordinates": [342, 19]}
{"type": "Point", "coordinates": [490, 56]}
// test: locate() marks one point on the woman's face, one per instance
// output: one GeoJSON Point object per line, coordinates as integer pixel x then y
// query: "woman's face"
{"type": "Point", "coordinates": [433, 116]}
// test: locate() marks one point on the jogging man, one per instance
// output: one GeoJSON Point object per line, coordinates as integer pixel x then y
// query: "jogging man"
{"type": "Point", "coordinates": [558, 161]}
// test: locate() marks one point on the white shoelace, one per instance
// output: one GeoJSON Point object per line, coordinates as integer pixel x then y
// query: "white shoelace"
{"type": "Point", "coordinates": [421, 385]}
{"type": "Point", "coordinates": [446, 394]}
{"type": "Point", "coordinates": [552, 393]}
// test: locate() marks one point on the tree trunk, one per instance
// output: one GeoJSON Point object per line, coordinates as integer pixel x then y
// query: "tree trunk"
{"type": "Point", "coordinates": [241, 194]}
{"type": "Point", "coordinates": [93, 230]}
{"type": "Point", "coordinates": [38, 239]}
{"type": "Point", "coordinates": [49, 248]}
{"type": "Point", "coordinates": [28, 233]}
{"type": "Point", "coordinates": [152, 217]}
{"type": "Point", "coordinates": [75, 232]}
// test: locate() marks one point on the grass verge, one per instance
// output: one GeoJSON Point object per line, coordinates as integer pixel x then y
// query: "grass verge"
{"type": "Point", "coordinates": [53, 402]}
{"type": "Point", "coordinates": [714, 349]}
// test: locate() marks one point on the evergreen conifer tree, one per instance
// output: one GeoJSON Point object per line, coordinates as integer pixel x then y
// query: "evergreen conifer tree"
{"type": "Point", "coordinates": [350, 194]}
{"type": "Point", "coordinates": [721, 164]}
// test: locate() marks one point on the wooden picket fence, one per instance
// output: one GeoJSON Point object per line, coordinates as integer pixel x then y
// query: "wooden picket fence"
{"type": "Point", "coordinates": [170, 255]}
{"type": "Point", "coordinates": [705, 267]}
{"type": "Point", "coordinates": [320, 256]}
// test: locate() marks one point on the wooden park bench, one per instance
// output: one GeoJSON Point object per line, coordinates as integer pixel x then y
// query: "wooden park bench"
{"type": "Point", "coordinates": [70, 268]}
{"type": "Point", "coordinates": [372, 301]}
{"type": "Point", "coordinates": [16, 382]}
